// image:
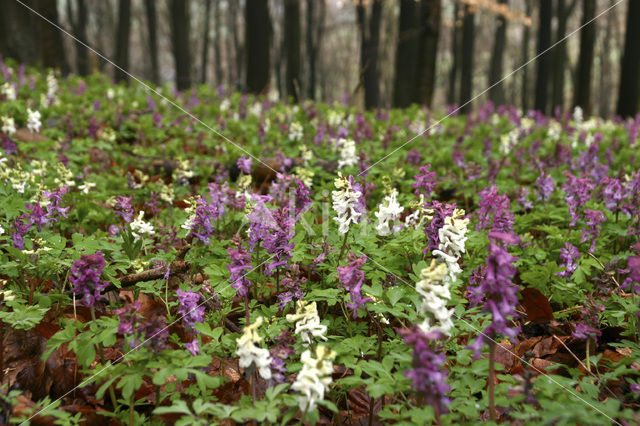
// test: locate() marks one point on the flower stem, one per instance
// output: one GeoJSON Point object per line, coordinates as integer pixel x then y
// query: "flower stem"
{"type": "Point", "coordinates": [492, 377]}
{"type": "Point", "coordinates": [131, 410]}
{"type": "Point", "coordinates": [112, 393]}
{"type": "Point", "coordinates": [344, 245]}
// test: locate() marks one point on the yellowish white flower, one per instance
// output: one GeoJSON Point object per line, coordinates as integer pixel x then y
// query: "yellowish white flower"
{"type": "Point", "coordinates": [314, 378]}
{"type": "Point", "coordinates": [452, 238]}
{"type": "Point", "coordinates": [9, 91]}
{"type": "Point", "coordinates": [8, 125]}
{"type": "Point", "coordinates": [348, 155]}
{"type": "Point", "coordinates": [346, 204]}
{"type": "Point", "coordinates": [434, 289]}
{"type": "Point", "coordinates": [295, 131]}
{"type": "Point", "coordinates": [250, 354]}
{"type": "Point", "coordinates": [307, 321]}
{"type": "Point", "coordinates": [86, 187]}
{"type": "Point", "coordinates": [388, 212]}
{"type": "Point", "coordinates": [33, 120]}
{"type": "Point", "coordinates": [139, 226]}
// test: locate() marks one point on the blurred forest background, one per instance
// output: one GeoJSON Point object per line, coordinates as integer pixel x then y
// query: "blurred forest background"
{"type": "Point", "coordinates": [369, 53]}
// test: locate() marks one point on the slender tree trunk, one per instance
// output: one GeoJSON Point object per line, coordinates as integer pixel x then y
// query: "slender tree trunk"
{"type": "Point", "coordinates": [19, 35]}
{"type": "Point", "coordinates": [560, 54]}
{"type": "Point", "coordinates": [587, 47]}
{"type": "Point", "coordinates": [526, 36]}
{"type": "Point", "coordinates": [369, 42]}
{"type": "Point", "coordinates": [51, 48]}
{"type": "Point", "coordinates": [430, 16]}
{"type": "Point", "coordinates": [150, 11]}
{"type": "Point", "coordinates": [496, 94]}
{"type": "Point", "coordinates": [234, 7]}
{"type": "Point", "coordinates": [292, 42]}
{"type": "Point", "coordinates": [543, 68]}
{"type": "Point", "coordinates": [311, 49]}
{"type": "Point", "coordinates": [630, 64]}
{"type": "Point", "coordinates": [205, 44]}
{"type": "Point", "coordinates": [180, 42]}
{"type": "Point", "coordinates": [456, 48]}
{"type": "Point", "coordinates": [257, 39]}
{"type": "Point", "coordinates": [406, 54]}
{"type": "Point", "coordinates": [122, 39]}
{"type": "Point", "coordinates": [604, 107]}
{"type": "Point", "coordinates": [217, 41]}
{"type": "Point", "coordinates": [82, 53]}
{"type": "Point", "coordinates": [466, 73]}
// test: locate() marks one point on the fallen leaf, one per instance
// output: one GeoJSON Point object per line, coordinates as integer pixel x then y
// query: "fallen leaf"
{"type": "Point", "coordinates": [536, 305]}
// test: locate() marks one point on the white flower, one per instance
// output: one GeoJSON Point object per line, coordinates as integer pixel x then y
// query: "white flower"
{"type": "Point", "coordinates": [314, 378]}
{"type": "Point", "coordinates": [346, 202]}
{"type": "Point", "coordinates": [307, 321]}
{"type": "Point", "coordinates": [434, 289]}
{"type": "Point", "coordinates": [1, 230]}
{"type": "Point", "coordinates": [452, 242]}
{"type": "Point", "coordinates": [225, 104]}
{"type": "Point", "coordinates": [250, 354]}
{"type": "Point", "coordinates": [8, 125]}
{"type": "Point", "coordinates": [52, 88]}
{"type": "Point", "coordinates": [295, 131]}
{"type": "Point", "coordinates": [33, 120]}
{"type": "Point", "coordinates": [348, 156]}
{"type": "Point", "coordinates": [139, 226]}
{"type": "Point", "coordinates": [110, 93]}
{"type": "Point", "coordinates": [256, 109]}
{"type": "Point", "coordinates": [85, 187]}
{"type": "Point", "coordinates": [578, 116]}
{"type": "Point", "coordinates": [334, 118]}
{"type": "Point", "coordinates": [388, 211]}
{"type": "Point", "coordinates": [9, 91]}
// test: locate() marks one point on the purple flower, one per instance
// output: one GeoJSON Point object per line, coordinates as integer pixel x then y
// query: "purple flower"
{"type": "Point", "coordinates": [240, 261]}
{"type": "Point", "coordinates": [583, 331]}
{"type": "Point", "coordinates": [495, 211]}
{"type": "Point", "coordinates": [428, 376]}
{"type": "Point", "coordinates": [497, 289]}
{"type": "Point", "coordinates": [122, 206]}
{"type": "Point", "coordinates": [425, 181]}
{"type": "Point", "coordinates": [545, 185]}
{"type": "Point", "coordinates": [55, 200]}
{"type": "Point", "coordinates": [244, 164]}
{"type": "Point", "coordinates": [635, 388]}
{"type": "Point", "coordinates": [351, 278]}
{"type": "Point", "coordinates": [414, 157]}
{"type": "Point", "coordinates": [291, 289]}
{"type": "Point", "coordinates": [205, 215]}
{"type": "Point", "coordinates": [280, 352]}
{"type": "Point", "coordinates": [128, 318]}
{"type": "Point", "coordinates": [276, 242]}
{"type": "Point", "coordinates": [578, 192]}
{"type": "Point", "coordinates": [38, 217]}
{"type": "Point", "coordinates": [432, 228]}
{"type": "Point", "coordinates": [568, 256]}
{"type": "Point", "coordinates": [523, 201]}
{"type": "Point", "coordinates": [193, 347]}
{"type": "Point", "coordinates": [85, 277]}
{"type": "Point", "coordinates": [260, 221]}
{"type": "Point", "coordinates": [189, 310]}
{"type": "Point", "coordinates": [613, 194]}
{"type": "Point", "coordinates": [153, 333]}
{"type": "Point", "coordinates": [594, 219]}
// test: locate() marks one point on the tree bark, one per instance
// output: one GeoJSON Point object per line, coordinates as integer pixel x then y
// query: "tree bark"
{"type": "Point", "coordinates": [205, 42]}
{"type": "Point", "coordinates": [217, 56]}
{"type": "Point", "coordinates": [152, 29]}
{"type": "Point", "coordinates": [257, 39]}
{"type": "Point", "coordinates": [19, 35]}
{"type": "Point", "coordinates": [430, 16]}
{"type": "Point", "coordinates": [543, 68]}
{"type": "Point", "coordinates": [369, 41]}
{"type": "Point", "coordinates": [587, 47]}
{"type": "Point", "coordinates": [406, 54]}
{"type": "Point", "coordinates": [560, 54]}
{"type": "Point", "coordinates": [82, 53]}
{"type": "Point", "coordinates": [180, 42]}
{"type": "Point", "coordinates": [604, 106]}
{"type": "Point", "coordinates": [456, 49]}
{"type": "Point", "coordinates": [630, 64]}
{"type": "Point", "coordinates": [292, 42]}
{"type": "Point", "coordinates": [466, 72]}
{"type": "Point", "coordinates": [526, 36]}
{"type": "Point", "coordinates": [238, 49]}
{"type": "Point", "coordinates": [313, 37]}
{"type": "Point", "coordinates": [496, 94]}
{"type": "Point", "coordinates": [122, 39]}
{"type": "Point", "coordinates": [52, 53]}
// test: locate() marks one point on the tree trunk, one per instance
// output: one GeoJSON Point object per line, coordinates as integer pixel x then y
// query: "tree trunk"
{"type": "Point", "coordinates": [587, 46]}
{"type": "Point", "coordinates": [543, 69]}
{"type": "Point", "coordinates": [19, 36]}
{"type": "Point", "coordinates": [82, 53]}
{"type": "Point", "coordinates": [560, 54]}
{"type": "Point", "coordinates": [150, 10]}
{"type": "Point", "coordinates": [406, 54]}
{"type": "Point", "coordinates": [257, 39]}
{"type": "Point", "coordinates": [456, 49]}
{"type": "Point", "coordinates": [313, 36]}
{"type": "Point", "coordinates": [369, 41]}
{"type": "Point", "coordinates": [430, 11]}
{"type": "Point", "coordinates": [217, 56]}
{"type": "Point", "coordinates": [180, 42]}
{"type": "Point", "coordinates": [604, 107]}
{"type": "Point", "coordinates": [526, 36]}
{"type": "Point", "coordinates": [630, 64]}
{"type": "Point", "coordinates": [466, 73]}
{"type": "Point", "coordinates": [52, 53]}
{"type": "Point", "coordinates": [496, 94]}
{"type": "Point", "coordinates": [292, 43]}
{"type": "Point", "coordinates": [205, 43]}
{"type": "Point", "coordinates": [238, 49]}
{"type": "Point", "coordinates": [122, 39]}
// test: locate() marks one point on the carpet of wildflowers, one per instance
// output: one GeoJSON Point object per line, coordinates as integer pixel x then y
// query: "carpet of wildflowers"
{"type": "Point", "coordinates": [152, 273]}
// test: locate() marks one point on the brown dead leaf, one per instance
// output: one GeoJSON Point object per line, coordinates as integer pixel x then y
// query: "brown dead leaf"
{"type": "Point", "coordinates": [536, 305]}
{"type": "Point", "coordinates": [547, 346]}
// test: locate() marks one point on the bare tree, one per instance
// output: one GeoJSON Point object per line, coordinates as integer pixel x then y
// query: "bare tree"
{"type": "Point", "coordinates": [496, 94]}
{"type": "Point", "coordinates": [524, 91]}
{"type": "Point", "coordinates": [369, 26]}
{"type": "Point", "coordinates": [292, 44]}
{"type": "Point", "coordinates": [257, 39]}
{"type": "Point", "coordinates": [315, 26]}
{"type": "Point", "coordinates": [406, 54]}
{"type": "Point", "coordinates": [19, 37]}
{"type": "Point", "coordinates": [217, 42]}
{"type": "Point", "coordinates": [560, 53]}
{"type": "Point", "coordinates": [543, 61]}
{"type": "Point", "coordinates": [79, 25]}
{"type": "Point", "coordinates": [585, 66]}
{"type": "Point", "coordinates": [150, 11]}
{"type": "Point", "coordinates": [456, 50]}
{"type": "Point", "coordinates": [430, 11]}
{"type": "Point", "coordinates": [52, 53]}
{"type": "Point", "coordinates": [205, 42]}
{"type": "Point", "coordinates": [466, 71]}
{"type": "Point", "coordinates": [122, 39]}
{"type": "Point", "coordinates": [179, 18]}
{"type": "Point", "coordinates": [630, 64]}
